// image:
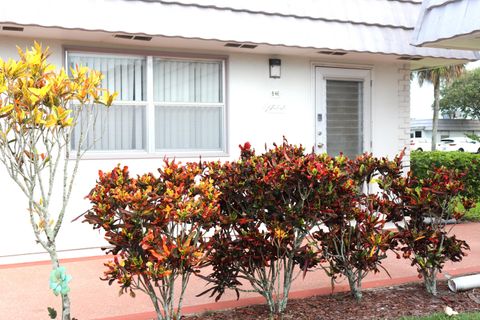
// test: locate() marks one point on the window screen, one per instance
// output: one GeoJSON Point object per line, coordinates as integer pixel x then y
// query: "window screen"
{"type": "Point", "coordinates": [344, 117]}
{"type": "Point", "coordinates": [189, 105]}
{"type": "Point", "coordinates": [186, 102]}
{"type": "Point", "coordinates": [121, 126]}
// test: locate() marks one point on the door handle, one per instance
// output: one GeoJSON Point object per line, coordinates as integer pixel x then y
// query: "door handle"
{"type": "Point", "coordinates": [319, 117]}
{"type": "Point", "coordinates": [320, 145]}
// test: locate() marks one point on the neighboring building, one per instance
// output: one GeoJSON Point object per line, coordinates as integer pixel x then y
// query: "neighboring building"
{"type": "Point", "coordinates": [194, 79]}
{"type": "Point", "coordinates": [451, 24]}
{"type": "Point", "coordinates": [447, 128]}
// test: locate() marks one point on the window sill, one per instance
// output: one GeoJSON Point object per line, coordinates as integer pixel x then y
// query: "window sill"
{"type": "Point", "coordinates": [118, 155]}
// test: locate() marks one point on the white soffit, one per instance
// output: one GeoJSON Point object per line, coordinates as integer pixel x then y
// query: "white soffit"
{"type": "Point", "coordinates": [449, 24]}
{"type": "Point", "coordinates": [212, 22]}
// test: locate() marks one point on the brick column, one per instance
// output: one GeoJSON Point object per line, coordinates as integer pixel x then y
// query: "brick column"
{"type": "Point", "coordinates": [404, 112]}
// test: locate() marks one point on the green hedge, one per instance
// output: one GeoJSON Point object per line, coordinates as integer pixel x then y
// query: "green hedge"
{"type": "Point", "coordinates": [422, 162]}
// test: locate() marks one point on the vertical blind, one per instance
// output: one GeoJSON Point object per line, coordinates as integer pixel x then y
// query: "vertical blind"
{"type": "Point", "coordinates": [189, 106]}
{"type": "Point", "coordinates": [345, 117]}
{"type": "Point", "coordinates": [191, 128]}
{"type": "Point", "coordinates": [122, 126]}
{"type": "Point", "coordinates": [187, 81]}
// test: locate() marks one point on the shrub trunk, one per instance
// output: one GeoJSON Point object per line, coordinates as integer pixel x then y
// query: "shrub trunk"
{"type": "Point", "coordinates": [430, 281]}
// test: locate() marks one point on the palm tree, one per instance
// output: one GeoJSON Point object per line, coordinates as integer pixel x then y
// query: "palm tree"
{"type": "Point", "coordinates": [438, 76]}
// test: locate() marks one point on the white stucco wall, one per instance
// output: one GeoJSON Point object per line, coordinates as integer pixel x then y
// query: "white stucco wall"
{"type": "Point", "coordinates": [248, 93]}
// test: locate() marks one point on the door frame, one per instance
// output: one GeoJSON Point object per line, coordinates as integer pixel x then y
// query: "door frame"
{"type": "Point", "coordinates": [321, 74]}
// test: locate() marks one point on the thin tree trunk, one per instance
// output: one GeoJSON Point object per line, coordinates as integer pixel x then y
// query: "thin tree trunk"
{"type": "Point", "coordinates": [430, 282]}
{"type": "Point", "coordinates": [355, 282]}
{"type": "Point", "coordinates": [152, 294]}
{"type": "Point", "coordinates": [65, 298]}
{"type": "Point", "coordinates": [436, 110]}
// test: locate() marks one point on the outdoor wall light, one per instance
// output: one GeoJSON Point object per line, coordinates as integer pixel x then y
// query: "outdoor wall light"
{"type": "Point", "coordinates": [275, 68]}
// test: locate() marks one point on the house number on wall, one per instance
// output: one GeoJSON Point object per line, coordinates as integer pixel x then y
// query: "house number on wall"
{"type": "Point", "coordinates": [275, 106]}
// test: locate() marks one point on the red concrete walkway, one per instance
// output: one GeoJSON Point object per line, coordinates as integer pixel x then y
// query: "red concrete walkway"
{"type": "Point", "coordinates": [25, 294]}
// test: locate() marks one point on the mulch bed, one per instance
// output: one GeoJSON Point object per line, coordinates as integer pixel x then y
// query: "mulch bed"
{"type": "Point", "coordinates": [378, 303]}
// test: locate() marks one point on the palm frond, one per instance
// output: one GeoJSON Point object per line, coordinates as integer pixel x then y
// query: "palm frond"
{"type": "Point", "coordinates": [444, 74]}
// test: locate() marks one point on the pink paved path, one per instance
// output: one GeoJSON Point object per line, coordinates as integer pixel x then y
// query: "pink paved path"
{"type": "Point", "coordinates": [25, 294]}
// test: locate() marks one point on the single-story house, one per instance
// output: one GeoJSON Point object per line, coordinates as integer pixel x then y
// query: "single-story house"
{"type": "Point", "coordinates": [451, 24]}
{"type": "Point", "coordinates": [199, 77]}
{"type": "Point", "coordinates": [447, 128]}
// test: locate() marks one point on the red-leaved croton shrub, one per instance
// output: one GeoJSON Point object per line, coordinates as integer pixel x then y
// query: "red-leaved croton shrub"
{"type": "Point", "coordinates": [265, 218]}
{"type": "Point", "coordinates": [351, 235]}
{"type": "Point", "coordinates": [269, 203]}
{"type": "Point", "coordinates": [427, 204]}
{"type": "Point", "coordinates": [156, 227]}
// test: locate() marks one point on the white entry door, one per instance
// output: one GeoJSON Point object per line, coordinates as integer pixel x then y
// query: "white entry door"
{"type": "Point", "coordinates": [342, 105]}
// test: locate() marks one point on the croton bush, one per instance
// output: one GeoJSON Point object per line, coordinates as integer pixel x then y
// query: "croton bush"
{"type": "Point", "coordinates": [259, 222]}
{"type": "Point", "coordinates": [423, 237]}
{"type": "Point", "coordinates": [351, 236]}
{"type": "Point", "coordinates": [156, 226]}
{"type": "Point", "coordinates": [37, 121]}
{"type": "Point", "coordinates": [269, 203]}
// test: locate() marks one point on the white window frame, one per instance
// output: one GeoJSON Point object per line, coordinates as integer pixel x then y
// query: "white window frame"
{"type": "Point", "coordinates": [150, 150]}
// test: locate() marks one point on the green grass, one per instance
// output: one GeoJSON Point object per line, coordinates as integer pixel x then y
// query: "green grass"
{"type": "Point", "coordinates": [440, 316]}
